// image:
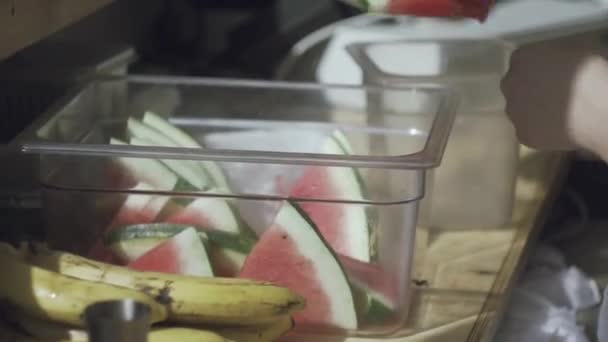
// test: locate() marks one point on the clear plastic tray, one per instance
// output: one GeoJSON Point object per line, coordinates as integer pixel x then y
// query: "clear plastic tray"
{"type": "Point", "coordinates": [356, 171]}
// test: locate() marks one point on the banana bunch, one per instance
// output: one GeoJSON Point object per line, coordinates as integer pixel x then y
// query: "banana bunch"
{"type": "Point", "coordinates": [49, 291]}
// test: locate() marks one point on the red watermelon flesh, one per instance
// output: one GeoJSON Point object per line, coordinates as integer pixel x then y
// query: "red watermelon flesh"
{"type": "Point", "coordinates": [137, 208]}
{"type": "Point", "coordinates": [327, 216]}
{"type": "Point", "coordinates": [134, 210]}
{"type": "Point", "coordinates": [372, 277]}
{"type": "Point", "coordinates": [477, 9]}
{"type": "Point", "coordinates": [344, 226]}
{"type": "Point", "coordinates": [273, 269]}
{"type": "Point", "coordinates": [292, 254]}
{"type": "Point", "coordinates": [183, 254]}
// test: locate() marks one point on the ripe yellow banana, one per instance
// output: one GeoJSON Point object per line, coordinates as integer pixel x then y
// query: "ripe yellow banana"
{"type": "Point", "coordinates": [262, 333]}
{"type": "Point", "coordinates": [183, 335]}
{"type": "Point", "coordinates": [190, 300]}
{"type": "Point", "coordinates": [44, 330]}
{"type": "Point", "coordinates": [60, 298]}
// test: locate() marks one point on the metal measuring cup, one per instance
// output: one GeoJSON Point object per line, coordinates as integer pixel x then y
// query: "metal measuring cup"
{"type": "Point", "coordinates": [118, 321]}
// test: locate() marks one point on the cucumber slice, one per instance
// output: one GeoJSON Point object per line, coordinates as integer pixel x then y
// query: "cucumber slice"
{"type": "Point", "coordinates": [180, 167]}
{"type": "Point", "coordinates": [149, 171]}
{"type": "Point", "coordinates": [183, 139]}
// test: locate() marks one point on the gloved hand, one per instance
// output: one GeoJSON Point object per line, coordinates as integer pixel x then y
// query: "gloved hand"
{"type": "Point", "coordinates": [557, 95]}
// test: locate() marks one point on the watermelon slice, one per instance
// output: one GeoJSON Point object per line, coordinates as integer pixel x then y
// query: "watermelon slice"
{"type": "Point", "coordinates": [182, 168]}
{"type": "Point", "coordinates": [183, 254]}
{"type": "Point", "coordinates": [293, 254]}
{"type": "Point", "coordinates": [208, 212]}
{"type": "Point", "coordinates": [346, 227]}
{"type": "Point", "coordinates": [227, 251]}
{"type": "Point", "coordinates": [380, 287]}
{"type": "Point", "coordinates": [477, 9]}
{"type": "Point", "coordinates": [183, 139]}
{"type": "Point", "coordinates": [150, 171]}
{"type": "Point", "coordinates": [137, 208]}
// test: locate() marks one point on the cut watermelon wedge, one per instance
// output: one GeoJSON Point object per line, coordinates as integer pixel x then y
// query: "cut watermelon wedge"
{"type": "Point", "coordinates": [208, 212]}
{"type": "Point", "coordinates": [183, 254]}
{"type": "Point", "coordinates": [227, 251]}
{"type": "Point", "coordinates": [477, 9]}
{"type": "Point", "coordinates": [194, 176]}
{"type": "Point", "coordinates": [293, 254]}
{"type": "Point", "coordinates": [149, 171]}
{"type": "Point", "coordinates": [133, 241]}
{"type": "Point", "coordinates": [380, 287]}
{"type": "Point", "coordinates": [137, 208]}
{"type": "Point", "coordinates": [183, 139]}
{"type": "Point", "coordinates": [345, 226]}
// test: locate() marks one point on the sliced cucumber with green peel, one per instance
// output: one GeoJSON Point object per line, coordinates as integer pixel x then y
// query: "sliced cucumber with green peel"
{"type": "Point", "coordinates": [183, 139]}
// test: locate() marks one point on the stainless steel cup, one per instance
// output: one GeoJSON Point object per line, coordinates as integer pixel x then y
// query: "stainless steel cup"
{"type": "Point", "coordinates": [118, 321]}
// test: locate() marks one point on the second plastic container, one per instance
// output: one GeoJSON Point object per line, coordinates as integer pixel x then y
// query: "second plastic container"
{"type": "Point", "coordinates": [474, 187]}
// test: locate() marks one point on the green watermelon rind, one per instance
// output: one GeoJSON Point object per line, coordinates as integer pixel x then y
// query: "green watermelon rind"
{"type": "Point", "coordinates": [225, 240]}
{"type": "Point", "coordinates": [186, 245]}
{"type": "Point", "coordinates": [179, 167]}
{"type": "Point", "coordinates": [314, 227]}
{"type": "Point", "coordinates": [178, 137]}
{"type": "Point", "coordinates": [183, 139]}
{"type": "Point", "coordinates": [379, 309]}
{"type": "Point", "coordinates": [370, 212]}
{"type": "Point", "coordinates": [245, 229]}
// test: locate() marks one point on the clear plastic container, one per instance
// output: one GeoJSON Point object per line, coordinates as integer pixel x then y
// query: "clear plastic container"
{"type": "Point", "coordinates": [356, 171]}
{"type": "Point", "coordinates": [475, 184]}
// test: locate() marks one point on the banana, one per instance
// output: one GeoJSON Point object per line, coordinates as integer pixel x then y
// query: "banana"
{"type": "Point", "coordinates": [267, 333]}
{"type": "Point", "coordinates": [191, 300]}
{"type": "Point", "coordinates": [60, 298]}
{"type": "Point", "coordinates": [183, 335]}
{"type": "Point", "coordinates": [42, 329]}
{"type": "Point", "coordinates": [47, 330]}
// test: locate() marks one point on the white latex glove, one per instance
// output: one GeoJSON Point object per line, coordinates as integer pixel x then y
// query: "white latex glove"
{"type": "Point", "coordinates": [557, 95]}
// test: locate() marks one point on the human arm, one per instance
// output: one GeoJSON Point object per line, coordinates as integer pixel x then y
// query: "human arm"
{"type": "Point", "coordinates": [557, 95]}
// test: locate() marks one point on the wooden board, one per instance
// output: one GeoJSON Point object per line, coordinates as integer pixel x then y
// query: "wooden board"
{"type": "Point", "coordinates": [23, 22]}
